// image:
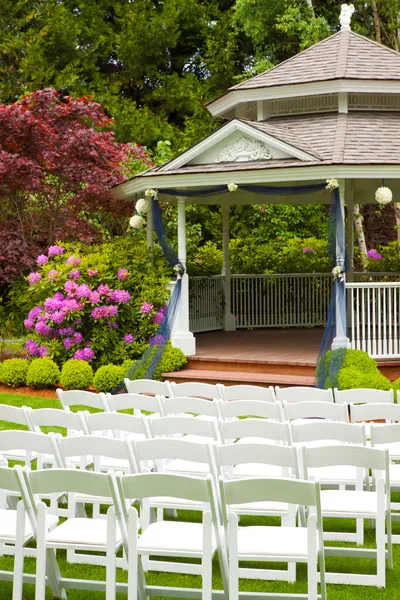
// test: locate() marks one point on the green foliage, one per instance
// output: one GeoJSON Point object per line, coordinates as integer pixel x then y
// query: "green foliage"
{"type": "Point", "coordinates": [173, 360]}
{"type": "Point", "coordinates": [43, 373]}
{"type": "Point", "coordinates": [350, 378]}
{"type": "Point", "coordinates": [76, 375]}
{"type": "Point", "coordinates": [13, 372]}
{"type": "Point", "coordinates": [209, 260]}
{"type": "Point", "coordinates": [349, 369]}
{"type": "Point", "coordinates": [360, 360]}
{"type": "Point", "coordinates": [108, 377]}
{"type": "Point", "coordinates": [395, 386]}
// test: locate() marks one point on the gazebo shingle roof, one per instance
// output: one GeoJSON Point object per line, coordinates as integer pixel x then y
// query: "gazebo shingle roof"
{"type": "Point", "coordinates": [345, 55]}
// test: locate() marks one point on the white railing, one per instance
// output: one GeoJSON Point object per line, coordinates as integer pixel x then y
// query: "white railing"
{"type": "Point", "coordinates": [206, 303]}
{"type": "Point", "coordinates": [374, 317]}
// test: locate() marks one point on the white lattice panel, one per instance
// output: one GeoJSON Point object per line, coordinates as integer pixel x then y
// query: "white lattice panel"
{"type": "Point", "coordinates": [374, 101]}
{"type": "Point", "coordinates": [305, 104]}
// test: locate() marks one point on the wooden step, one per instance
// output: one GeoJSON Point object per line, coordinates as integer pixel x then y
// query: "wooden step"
{"type": "Point", "coordinates": [239, 377]}
{"type": "Point", "coordinates": [251, 366]}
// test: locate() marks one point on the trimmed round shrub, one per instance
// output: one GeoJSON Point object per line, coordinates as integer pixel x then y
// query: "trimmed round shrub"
{"type": "Point", "coordinates": [173, 360]}
{"type": "Point", "coordinates": [351, 379]}
{"type": "Point", "coordinates": [395, 386]}
{"type": "Point", "coordinates": [13, 372]}
{"type": "Point", "coordinates": [76, 375]}
{"type": "Point", "coordinates": [108, 377]}
{"type": "Point", "coordinates": [43, 373]}
{"type": "Point", "coordinates": [336, 361]}
{"type": "Point", "coordinates": [1, 368]}
{"type": "Point", "coordinates": [360, 360]}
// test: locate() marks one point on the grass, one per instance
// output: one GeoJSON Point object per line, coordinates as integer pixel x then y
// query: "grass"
{"type": "Point", "coordinates": [335, 592]}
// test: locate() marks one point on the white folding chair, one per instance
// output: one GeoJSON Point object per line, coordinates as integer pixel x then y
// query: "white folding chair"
{"type": "Point", "coordinates": [135, 402]}
{"type": "Point", "coordinates": [117, 425]}
{"type": "Point", "coordinates": [363, 396]}
{"type": "Point", "coordinates": [388, 412]}
{"type": "Point", "coordinates": [148, 387]}
{"type": "Point", "coordinates": [42, 418]}
{"type": "Point", "coordinates": [246, 392]}
{"type": "Point", "coordinates": [303, 394]}
{"type": "Point", "coordinates": [196, 389]}
{"type": "Point", "coordinates": [171, 538]}
{"type": "Point", "coordinates": [74, 534]}
{"type": "Point", "coordinates": [188, 427]}
{"type": "Point", "coordinates": [308, 411]}
{"type": "Point", "coordinates": [251, 408]}
{"type": "Point", "coordinates": [82, 399]}
{"type": "Point", "coordinates": [17, 416]}
{"type": "Point", "coordinates": [204, 409]}
{"type": "Point", "coordinates": [356, 504]}
{"type": "Point", "coordinates": [273, 544]}
{"type": "Point", "coordinates": [386, 437]}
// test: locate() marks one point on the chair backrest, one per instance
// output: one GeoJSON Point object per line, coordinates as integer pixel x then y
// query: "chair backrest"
{"type": "Point", "coordinates": [247, 392]}
{"type": "Point", "coordinates": [166, 426]}
{"type": "Point", "coordinates": [54, 417]}
{"type": "Point", "coordinates": [192, 405]}
{"type": "Point", "coordinates": [253, 408]}
{"type": "Point", "coordinates": [373, 411]}
{"type": "Point", "coordinates": [148, 387]}
{"type": "Point", "coordinates": [385, 434]}
{"type": "Point", "coordinates": [290, 491]}
{"type": "Point", "coordinates": [255, 428]}
{"type": "Point", "coordinates": [135, 402]}
{"type": "Point", "coordinates": [230, 455]}
{"type": "Point", "coordinates": [159, 450]}
{"type": "Point", "coordinates": [362, 457]}
{"type": "Point", "coordinates": [196, 389]}
{"type": "Point", "coordinates": [96, 447]}
{"type": "Point", "coordinates": [29, 442]}
{"type": "Point", "coordinates": [116, 423]}
{"type": "Point", "coordinates": [150, 485]}
{"type": "Point", "coordinates": [328, 431]}
{"type": "Point", "coordinates": [51, 481]}
{"type": "Point", "coordinates": [303, 394]}
{"type": "Point", "coordinates": [82, 398]}
{"type": "Point", "coordinates": [315, 410]}
{"type": "Point", "coordinates": [363, 396]}
{"type": "Point", "coordinates": [8, 483]}
{"type": "Point", "coordinates": [14, 414]}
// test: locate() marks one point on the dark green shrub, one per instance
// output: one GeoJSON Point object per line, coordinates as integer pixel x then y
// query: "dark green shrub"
{"type": "Point", "coordinates": [108, 377]}
{"type": "Point", "coordinates": [336, 361]}
{"type": "Point", "coordinates": [43, 373]}
{"type": "Point", "coordinates": [13, 372]}
{"type": "Point", "coordinates": [76, 375]}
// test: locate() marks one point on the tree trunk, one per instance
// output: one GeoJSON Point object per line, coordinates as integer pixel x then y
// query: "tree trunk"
{"type": "Point", "coordinates": [377, 23]}
{"type": "Point", "coordinates": [359, 230]}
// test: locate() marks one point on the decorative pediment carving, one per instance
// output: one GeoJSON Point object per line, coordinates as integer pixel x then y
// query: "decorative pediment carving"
{"type": "Point", "coordinates": [243, 149]}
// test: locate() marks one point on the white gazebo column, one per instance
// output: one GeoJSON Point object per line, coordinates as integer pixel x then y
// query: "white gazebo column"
{"type": "Point", "coordinates": [229, 319]}
{"type": "Point", "coordinates": [150, 226]}
{"type": "Point", "coordinates": [181, 336]}
{"type": "Point", "coordinates": [340, 340]}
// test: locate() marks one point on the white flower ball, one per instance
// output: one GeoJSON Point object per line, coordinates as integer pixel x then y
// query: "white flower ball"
{"type": "Point", "coordinates": [142, 206]}
{"type": "Point", "coordinates": [136, 222]}
{"type": "Point", "coordinates": [232, 187]}
{"type": "Point", "coordinates": [383, 195]}
{"type": "Point", "coordinates": [150, 193]}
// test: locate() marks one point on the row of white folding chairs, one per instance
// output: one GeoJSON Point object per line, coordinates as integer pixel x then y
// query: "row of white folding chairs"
{"type": "Point", "coordinates": [287, 544]}
{"type": "Point", "coordinates": [170, 389]}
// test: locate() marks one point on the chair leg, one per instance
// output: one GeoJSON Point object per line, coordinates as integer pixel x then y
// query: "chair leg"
{"type": "Point", "coordinates": [19, 552]}
{"type": "Point", "coordinates": [380, 546]}
{"type": "Point", "coordinates": [359, 532]}
{"type": "Point", "coordinates": [233, 557]}
{"type": "Point", "coordinates": [133, 558]}
{"type": "Point", "coordinates": [206, 562]}
{"type": "Point", "coordinates": [40, 589]}
{"type": "Point", "coordinates": [111, 556]}
{"type": "Point", "coordinates": [312, 561]}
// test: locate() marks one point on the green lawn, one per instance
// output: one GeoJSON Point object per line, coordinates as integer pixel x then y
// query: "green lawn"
{"type": "Point", "coordinates": [335, 592]}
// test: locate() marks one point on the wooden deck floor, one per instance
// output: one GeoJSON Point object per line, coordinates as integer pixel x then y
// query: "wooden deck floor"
{"type": "Point", "coordinates": [284, 346]}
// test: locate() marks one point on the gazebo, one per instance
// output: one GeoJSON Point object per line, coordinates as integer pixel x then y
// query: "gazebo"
{"type": "Point", "coordinates": [331, 112]}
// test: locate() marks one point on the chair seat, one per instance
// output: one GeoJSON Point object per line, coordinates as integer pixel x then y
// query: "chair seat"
{"type": "Point", "coordinates": [334, 474]}
{"type": "Point", "coordinates": [354, 502]}
{"type": "Point", "coordinates": [394, 449]}
{"type": "Point", "coordinates": [186, 466]}
{"type": "Point", "coordinates": [273, 541]}
{"type": "Point", "coordinates": [264, 507]}
{"type": "Point", "coordinates": [90, 499]}
{"type": "Point", "coordinates": [115, 464]}
{"type": "Point", "coordinates": [8, 524]}
{"type": "Point", "coordinates": [173, 537]}
{"type": "Point", "coordinates": [257, 470]}
{"type": "Point", "coordinates": [87, 532]}
{"type": "Point", "coordinates": [18, 454]}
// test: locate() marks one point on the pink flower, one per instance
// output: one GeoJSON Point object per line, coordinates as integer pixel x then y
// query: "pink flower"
{"type": "Point", "coordinates": [103, 290]}
{"type": "Point", "coordinates": [83, 291]}
{"type": "Point", "coordinates": [94, 298]}
{"type": "Point", "coordinates": [123, 274]}
{"type": "Point", "coordinates": [112, 310]}
{"type": "Point", "coordinates": [66, 331]}
{"type": "Point", "coordinates": [146, 308]}
{"type": "Point", "coordinates": [52, 274]}
{"type": "Point", "coordinates": [68, 343]}
{"type": "Point", "coordinates": [74, 261]}
{"type": "Point", "coordinates": [55, 250]}
{"type": "Point", "coordinates": [74, 274]}
{"type": "Point", "coordinates": [34, 278]}
{"type": "Point", "coordinates": [77, 338]}
{"type": "Point", "coordinates": [43, 351]}
{"type": "Point", "coordinates": [120, 296]}
{"type": "Point", "coordinates": [158, 317]}
{"type": "Point", "coordinates": [84, 354]}
{"type": "Point", "coordinates": [308, 250]}
{"type": "Point", "coordinates": [112, 324]}
{"type": "Point", "coordinates": [32, 347]}
{"type": "Point", "coordinates": [92, 272]}
{"type": "Point", "coordinates": [128, 338]}
{"type": "Point", "coordinates": [374, 255]}
{"type": "Point", "coordinates": [34, 312]}
{"type": "Point", "coordinates": [156, 340]}
{"type": "Point", "coordinates": [58, 317]}
{"type": "Point", "coordinates": [70, 287]}
{"type": "Point", "coordinates": [41, 260]}
{"type": "Point", "coordinates": [29, 324]}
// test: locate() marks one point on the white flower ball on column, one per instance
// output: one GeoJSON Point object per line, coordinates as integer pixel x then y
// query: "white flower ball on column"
{"type": "Point", "coordinates": [136, 222]}
{"type": "Point", "coordinates": [142, 206]}
{"type": "Point", "coordinates": [383, 195]}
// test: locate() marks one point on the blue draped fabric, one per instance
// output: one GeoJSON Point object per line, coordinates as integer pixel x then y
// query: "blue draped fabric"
{"type": "Point", "coordinates": [146, 366]}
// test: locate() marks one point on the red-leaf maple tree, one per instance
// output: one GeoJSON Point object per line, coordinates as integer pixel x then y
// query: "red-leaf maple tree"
{"type": "Point", "coordinates": [58, 160]}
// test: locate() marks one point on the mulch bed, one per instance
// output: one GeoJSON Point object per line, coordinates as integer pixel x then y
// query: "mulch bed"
{"type": "Point", "coordinates": [29, 391]}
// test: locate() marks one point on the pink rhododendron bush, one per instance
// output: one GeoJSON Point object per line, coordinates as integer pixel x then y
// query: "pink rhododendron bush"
{"type": "Point", "coordinates": [102, 304]}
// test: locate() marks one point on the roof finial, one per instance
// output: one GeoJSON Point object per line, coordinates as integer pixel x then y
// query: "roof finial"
{"type": "Point", "coordinates": [345, 16]}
